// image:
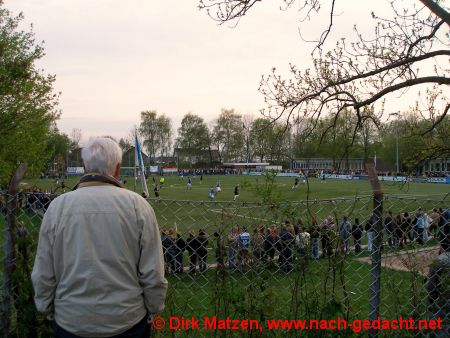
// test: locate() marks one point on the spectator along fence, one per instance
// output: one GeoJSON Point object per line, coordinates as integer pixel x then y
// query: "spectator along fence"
{"type": "Point", "coordinates": [318, 259]}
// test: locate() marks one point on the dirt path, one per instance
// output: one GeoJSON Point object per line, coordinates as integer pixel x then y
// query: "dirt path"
{"type": "Point", "coordinates": [418, 259]}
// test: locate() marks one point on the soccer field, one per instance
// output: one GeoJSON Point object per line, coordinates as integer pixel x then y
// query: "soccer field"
{"type": "Point", "coordinates": [262, 201]}
{"type": "Point", "coordinates": [252, 188]}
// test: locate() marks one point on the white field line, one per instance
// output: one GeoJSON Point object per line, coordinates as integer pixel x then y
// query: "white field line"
{"type": "Point", "coordinates": [206, 186]}
{"type": "Point", "coordinates": [242, 216]}
{"type": "Point", "coordinates": [411, 196]}
{"type": "Point", "coordinates": [249, 207]}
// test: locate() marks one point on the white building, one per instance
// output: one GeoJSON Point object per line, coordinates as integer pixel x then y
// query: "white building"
{"type": "Point", "coordinates": [354, 164]}
{"type": "Point", "coordinates": [439, 165]}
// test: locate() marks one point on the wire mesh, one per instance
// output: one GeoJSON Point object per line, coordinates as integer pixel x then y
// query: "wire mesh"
{"type": "Point", "coordinates": [287, 260]}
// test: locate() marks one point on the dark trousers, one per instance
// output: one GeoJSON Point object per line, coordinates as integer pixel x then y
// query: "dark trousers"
{"type": "Point", "coordinates": [270, 253]}
{"type": "Point", "coordinates": [420, 235]}
{"type": "Point", "coordinates": [193, 262]}
{"type": "Point", "coordinates": [202, 261]}
{"type": "Point", "coordinates": [140, 330]}
{"type": "Point", "coordinates": [327, 246]}
{"type": "Point", "coordinates": [171, 261]}
{"type": "Point", "coordinates": [357, 244]}
{"type": "Point", "coordinates": [179, 262]}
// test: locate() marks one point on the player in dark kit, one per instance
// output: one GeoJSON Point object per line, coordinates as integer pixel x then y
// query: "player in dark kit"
{"type": "Point", "coordinates": [295, 186]}
{"type": "Point", "coordinates": [156, 191]}
{"type": "Point", "coordinates": [236, 192]}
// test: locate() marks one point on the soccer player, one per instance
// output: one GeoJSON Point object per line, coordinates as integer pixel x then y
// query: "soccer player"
{"type": "Point", "coordinates": [156, 191]}
{"type": "Point", "coordinates": [189, 184]}
{"type": "Point", "coordinates": [322, 174]}
{"type": "Point", "coordinates": [295, 186]}
{"type": "Point", "coordinates": [236, 192]}
{"type": "Point", "coordinates": [218, 189]}
{"type": "Point", "coordinates": [211, 194]}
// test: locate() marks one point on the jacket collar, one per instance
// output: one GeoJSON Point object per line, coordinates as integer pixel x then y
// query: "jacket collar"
{"type": "Point", "coordinates": [96, 179]}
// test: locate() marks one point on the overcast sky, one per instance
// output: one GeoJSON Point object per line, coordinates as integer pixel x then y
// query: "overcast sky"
{"type": "Point", "coordinates": [113, 58]}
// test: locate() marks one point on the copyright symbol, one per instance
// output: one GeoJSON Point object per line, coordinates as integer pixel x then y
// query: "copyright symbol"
{"type": "Point", "coordinates": [158, 323]}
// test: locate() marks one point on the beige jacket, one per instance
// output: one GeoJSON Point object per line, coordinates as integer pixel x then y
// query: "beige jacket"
{"type": "Point", "coordinates": [99, 265]}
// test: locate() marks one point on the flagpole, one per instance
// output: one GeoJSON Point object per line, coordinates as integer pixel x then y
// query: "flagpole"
{"type": "Point", "coordinates": [141, 167]}
{"type": "Point", "coordinates": [135, 158]}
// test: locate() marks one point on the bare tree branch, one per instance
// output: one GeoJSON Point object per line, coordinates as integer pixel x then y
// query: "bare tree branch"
{"type": "Point", "coordinates": [438, 121]}
{"type": "Point", "coordinates": [408, 83]}
{"type": "Point", "coordinates": [438, 10]}
{"type": "Point", "coordinates": [325, 33]}
{"type": "Point", "coordinates": [422, 38]}
{"type": "Point", "coordinates": [405, 51]}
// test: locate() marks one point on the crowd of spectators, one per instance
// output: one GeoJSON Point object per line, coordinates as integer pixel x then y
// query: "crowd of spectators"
{"type": "Point", "coordinates": [208, 171]}
{"type": "Point", "coordinates": [314, 173]}
{"type": "Point", "coordinates": [33, 200]}
{"type": "Point", "coordinates": [280, 246]}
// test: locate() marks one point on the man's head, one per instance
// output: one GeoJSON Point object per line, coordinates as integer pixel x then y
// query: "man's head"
{"type": "Point", "coordinates": [102, 155]}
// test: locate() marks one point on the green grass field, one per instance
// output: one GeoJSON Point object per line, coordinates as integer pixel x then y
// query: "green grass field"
{"type": "Point", "coordinates": [262, 201]}
{"type": "Point", "coordinates": [176, 189]}
{"type": "Point", "coordinates": [323, 288]}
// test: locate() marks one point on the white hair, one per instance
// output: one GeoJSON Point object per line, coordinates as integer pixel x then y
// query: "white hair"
{"type": "Point", "coordinates": [101, 155]}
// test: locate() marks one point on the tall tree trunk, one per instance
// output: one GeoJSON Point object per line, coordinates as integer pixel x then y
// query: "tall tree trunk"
{"type": "Point", "coordinates": [9, 263]}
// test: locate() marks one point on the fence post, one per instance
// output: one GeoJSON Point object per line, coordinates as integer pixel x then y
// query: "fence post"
{"type": "Point", "coordinates": [377, 224]}
{"type": "Point", "coordinates": [9, 247]}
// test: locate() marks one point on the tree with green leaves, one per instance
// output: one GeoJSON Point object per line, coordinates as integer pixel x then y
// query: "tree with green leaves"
{"type": "Point", "coordinates": [260, 135]}
{"type": "Point", "coordinates": [305, 138]}
{"type": "Point", "coordinates": [419, 138]}
{"type": "Point", "coordinates": [58, 145]}
{"type": "Point", "coordinates": [28, 110]}
{"type": "Point", "coordinates": [156, 132]}
{"type": "Point", "coordinates": [125, 144]}
{"type": "Point", "coordinates": [74, 156]}
{"type": "Point", "coordinates": [229, 135]}
{"type": "Point", "coordinates": [193, 135]}
{"type": "Point", "coordinates": [279, 145]}
{"type": "Point", "coordinates": [149, 132]}
{"type": "Point", "coordinates": [368, 133]}
{"type": "Point", "coordinates": [334, 138]}
{"type": "Point", "coordinates": [28, 105]}
{"type": "Point", "coordinates": [164, 134]}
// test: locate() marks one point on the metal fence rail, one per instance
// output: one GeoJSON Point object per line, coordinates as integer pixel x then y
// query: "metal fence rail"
{"type": "Point", "coordinates": [296, 260]}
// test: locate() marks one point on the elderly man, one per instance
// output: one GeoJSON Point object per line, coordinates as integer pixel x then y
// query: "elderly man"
{"type": "Point", "coordinates": [99, 268]}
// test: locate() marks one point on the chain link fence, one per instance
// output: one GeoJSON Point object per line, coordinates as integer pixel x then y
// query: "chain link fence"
{"type": "Point", "coordinates": [353, 258]}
